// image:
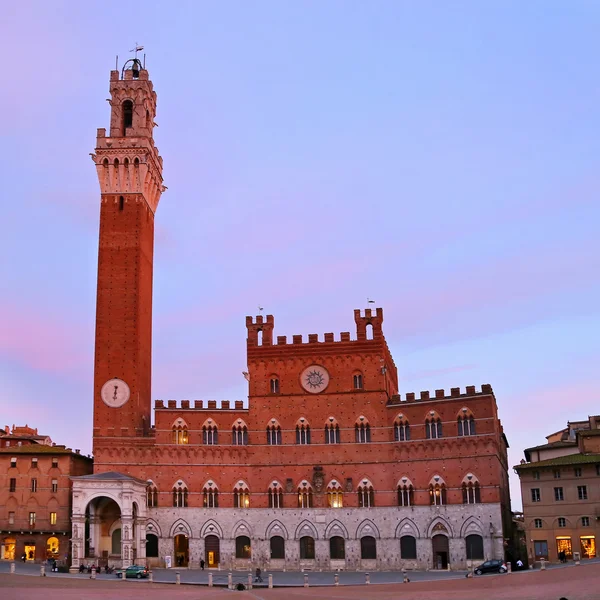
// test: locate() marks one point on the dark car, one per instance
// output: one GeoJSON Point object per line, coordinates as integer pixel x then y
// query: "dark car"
{"type": "Point", "coordinates": [491, 566]}
{"type": "Point", "coordinates": [135, 571]}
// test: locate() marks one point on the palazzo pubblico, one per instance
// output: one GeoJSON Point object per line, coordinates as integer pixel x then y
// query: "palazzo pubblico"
{"type": "Point", "coordinates": [328, 466]}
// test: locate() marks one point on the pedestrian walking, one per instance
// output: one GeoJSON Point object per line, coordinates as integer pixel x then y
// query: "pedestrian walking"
{"type": "Point", "coordinates": [202, 564]}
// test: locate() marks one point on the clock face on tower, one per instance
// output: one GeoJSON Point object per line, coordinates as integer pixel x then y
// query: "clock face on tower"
{"type": "Point", "coordinates": [115, 392]}
{"type": "Point", "coordinates": [314, 379]}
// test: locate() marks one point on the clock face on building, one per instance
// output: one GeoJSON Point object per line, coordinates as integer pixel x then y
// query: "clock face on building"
{"type": "Point", "coordinates": [115, 392]}
{"type": "Point", "coordinates": [314, 379]}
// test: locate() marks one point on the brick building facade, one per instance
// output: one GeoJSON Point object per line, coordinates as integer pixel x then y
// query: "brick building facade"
{"type": "Point", "coordinates": [327, 466]}
{"type": "Point", "coordinates": [35, 495]}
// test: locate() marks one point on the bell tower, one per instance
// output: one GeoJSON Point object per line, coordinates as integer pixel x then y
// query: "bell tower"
{"type": "Point", "coordinates": [130, 175]}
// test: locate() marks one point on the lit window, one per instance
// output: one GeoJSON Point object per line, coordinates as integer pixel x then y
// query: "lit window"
{"type": "Point", "coordinates": [437, 494]}
{"type": "Point", "coordinates": [538, 523]}
{"type": "Point", "coordinates": [241, 496]}
{"type": "Point", "coordinates": [52, 518]}
{"type": "Point", "coordinates": [180, 435]}
{"type": "Point", "coordinates": [305, 495]}
{"type": "Point", "coordinates": [335, 495]}
{"type": "Point", "coordinates": [31, 519]}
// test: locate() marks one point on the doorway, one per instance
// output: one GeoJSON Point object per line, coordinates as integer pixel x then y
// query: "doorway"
{"type": "Point", "coordinates": [181, 550]}
{"type": "Point", "coordinates": [212, 547]}
{"type": "Point", "coordinates": [441, 551]}
{"type": "Point", "coordinates": [30, 551]}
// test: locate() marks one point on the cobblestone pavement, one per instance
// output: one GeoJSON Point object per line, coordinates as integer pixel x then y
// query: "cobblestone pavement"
{"type": "Point", "coordinates": [573, 583]}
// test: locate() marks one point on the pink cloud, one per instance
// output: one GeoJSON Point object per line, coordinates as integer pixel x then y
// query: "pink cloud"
{"type": "Point", "coordinates": [427, 373]}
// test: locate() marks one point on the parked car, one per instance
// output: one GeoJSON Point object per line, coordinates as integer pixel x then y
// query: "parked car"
{"type": "Point", "coordinates": [491, 566]}
{"type": "Point", "coordinates": [135, 571]}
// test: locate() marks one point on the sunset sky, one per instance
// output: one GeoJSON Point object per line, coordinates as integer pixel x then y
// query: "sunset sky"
{"type": "Point", "coordinates": [440, 158]}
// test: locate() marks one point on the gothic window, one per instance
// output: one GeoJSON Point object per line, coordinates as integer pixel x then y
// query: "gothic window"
{"type": "Point", "coordinates": [357, 381]}
{"type": "Point", "coordinates": [151, 496]}
{"type": "Point", "coordinates": [273, 433]}
{"type": "Point", "coordinates": [437, 491]}
{"type": "Point", "coordinates": [302, 432]}
{"type": "Point", "coordinates": [471, 490]}
{"type": "Point", "coordinates": [274, 385]}
{"type": "Point", "coordinates": [277, 544]}
{"type": "Point", "coordinates": [366, 494]}
{"type": "Point", "coordinates": [362, 431]}
{"type": "Point", "coordinates": [408, 547]}
{"type": "Point", "coordinates": [239, 434]}
{"type": "Point", "coordinates": [368, 548]}
{"type": "Point", "coordinates": [401, 429]}
{"type": "Point", "coordinates": [332, 432]}
{"type": "Point", "coordinates": [305, 495]}
{"type": "Point", "coordinates": [307, 548]}
{"type": "Point", "coordinates": [474, 547]}
{"type": "Point", "coordinates": [335, 495]}
{"type": "Point", "coordinates": [466, 422]}
{"type": "Point", "coordinates": [406, 494]}
{"type": "Point", "coordinates": [275, 494]}
{"type": "Point", "coordinates": [180, 432]}
{"type": "Point", "coordinates": [127, 115]}
{"type": "Point", "coordinates": [433, 426]}
{"type": "Point", "coordinates": [243, 548]}
{"type": "Point", "coordinates": [180, 495]}
{"type": "Point", "coordinates": [210, 496]}
{"type": "Point", "coordinates": [241, 496]}
{"type": "Point", "coordinates": [210, 434]}
{"type": "Point", "coordinates": [337, 548]}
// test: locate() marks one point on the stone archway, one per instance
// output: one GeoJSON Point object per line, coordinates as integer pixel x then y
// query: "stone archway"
{"type": "Point", "coordinates": [181, 550]}
{"type": "Point", "coordinates": [441, 551]}
{"type": "Point", "coordinates": [212, 551]}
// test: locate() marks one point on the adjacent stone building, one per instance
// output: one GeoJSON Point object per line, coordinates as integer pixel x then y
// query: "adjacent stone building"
{"type": "Point", "coordinates": [327, 466]}
{"type": "Point", "coordinates": [35, 495]}
{"type": "Point", "coordinates": [560, 486]}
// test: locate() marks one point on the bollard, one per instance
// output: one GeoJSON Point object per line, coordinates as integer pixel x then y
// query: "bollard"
{"type": "Point", "coordinates": [210, 581]}
{"type": "Point", "coordinates": [93, 575]}
{"type": "Point", "coordinates": [305, 580]}
{"type": "Point", "coordinates": [150, 576]}
{"type": "Point", "coordinates": [249, 581]}
{"type": "Point", "coordinates": [124, 573]}
{"type": "Point", "coordinates": [336, 579]}
{"type": "Point", "coordinates": [367, 578]}
{"type": "Point", "coordinates": [509, 567]}
{"type": "Point", "coordinates": [543, 565]}
{"type": "Point", "coordinates": [270, 580]}
{"type": "Point", "coordinates": [177, 578]}
{"type": "Point", "coordinates": [12, 567]}
{"type": "Point", "coordinates": [230, 581]}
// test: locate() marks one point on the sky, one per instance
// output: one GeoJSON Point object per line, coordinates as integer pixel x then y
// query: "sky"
{"type": "Point", "coordinates": [442, 159]}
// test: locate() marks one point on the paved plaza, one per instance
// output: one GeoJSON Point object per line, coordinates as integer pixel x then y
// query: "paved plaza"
{"type": "Point", "coordinates": [572, 582]}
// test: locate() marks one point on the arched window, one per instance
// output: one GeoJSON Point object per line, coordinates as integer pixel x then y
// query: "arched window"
{"type": "Point", "coordinates": [180, 495]}
{"type": "Point", "coordinates": [180, 432]}
{"type": "Point", "coordinates": [307, 548]}
{"type": "Point", "coordinates": [305, 495]}
{"type": "Point", "coordinates": [151, 545]}
{"type": "Point", "coordinates": [332, 431]}
{"type": "Point", "coordinates": [115, 542]}
{"type": "Point", "coordinates": [369, 331]}
{"type": "Point", "coordinates": [366, 494]}
{"type": "Point", "coordinates": [275, 494]}
{"type": "Point", "coordinates": [335, 495]}
{"type": "Point", "coordinates": [368, 548]}
{"type": "Point", "coordinates": [437, 491]}
{"type": "Point", "coordinates": [210, 433]}
{"type": "Point", "coordinates": [401, 429]}
{"type": "Point", "coordinates": [273, 433]}
{"type": "Point", "coordinates": [239, 434]}
{"type": "Point", "coordinates": [52, 547]}
{"type": "Point", "coordinates": [242, 547]}
{"type": "Point", "coordinates": [433, 426]}
{"type": "Point", "coordinates": [302, 432]}
{"type": "Point", "coordinates": [274, 385]}
{"type": "Point", "coordinates": [362, 431]}
{"type": "Point", "coordinates": [127, 115]}
{"type": "Point", "coordinates": [337, 548]}
{"type": "Point", "coordinates": [357, 381]}
{"type": "Point", "coordinates": [277, 544]}
{"type": "Point", "coordinates": [466, 422]}
{"type": "Point", "coordinates": [408, 547]}
{"type": "Point", "coordinates": [151, 496]}
{"type": "Point", "coordinates": [406, 494]}
{"type": "Point", "coordinates": [241, 495]}
{"type": "Point", "coordinates": [470, 490]}
{"type": "Point", "coordinates": [474, 547]}
{"type": "Point", "coordinates": [210, 495]}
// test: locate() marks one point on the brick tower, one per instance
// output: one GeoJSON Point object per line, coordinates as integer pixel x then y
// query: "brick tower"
{"type": "Point", "coordinates": [130, 176]}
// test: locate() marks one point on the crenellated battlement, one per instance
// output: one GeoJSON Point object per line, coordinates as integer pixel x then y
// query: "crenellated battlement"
{"type": "Point", "coordinates": [209, 405]}
{"type": "Point", "coordinates": [261, 326]}
{"type": "Point", "coordinates": [455, 392]}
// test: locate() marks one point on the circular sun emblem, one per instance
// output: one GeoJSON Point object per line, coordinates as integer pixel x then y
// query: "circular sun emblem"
{"type": "Point", "coordinates": [314, 379]}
